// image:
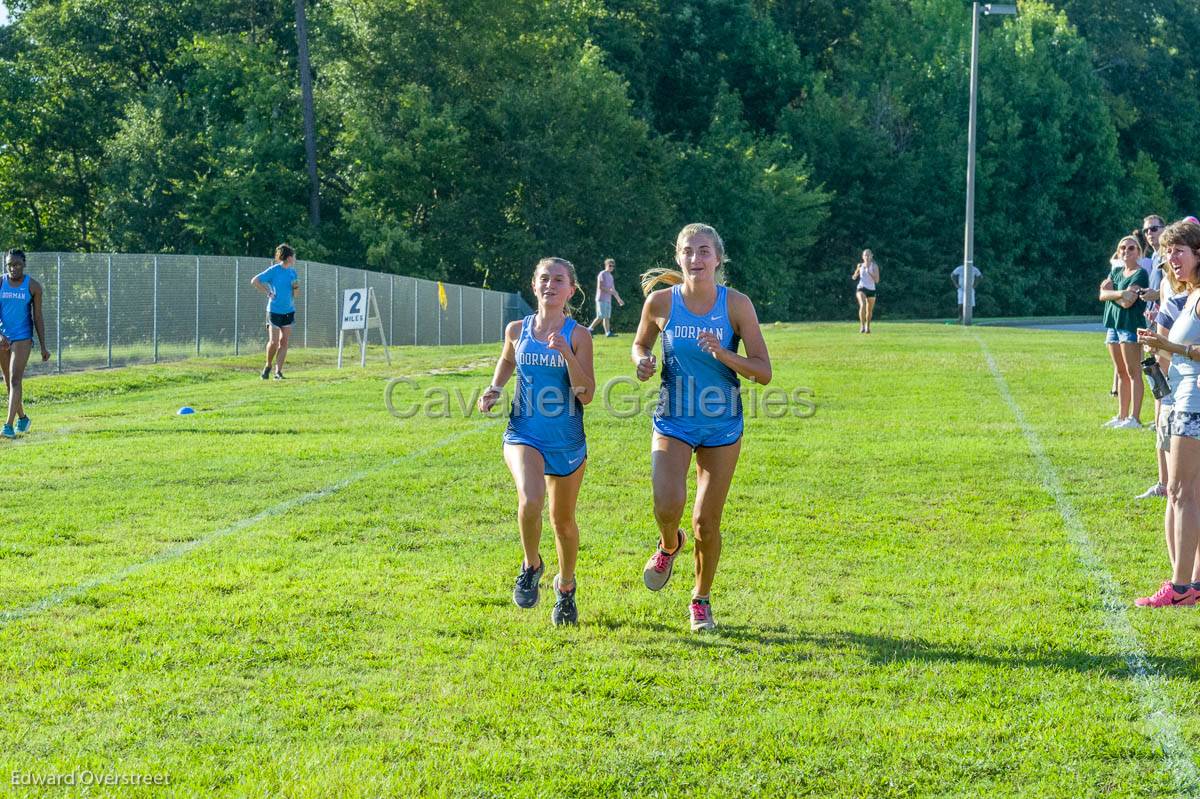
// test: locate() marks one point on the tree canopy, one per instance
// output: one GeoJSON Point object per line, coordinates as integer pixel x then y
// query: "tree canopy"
{"type": "Point", "coordinates": [464, 139]}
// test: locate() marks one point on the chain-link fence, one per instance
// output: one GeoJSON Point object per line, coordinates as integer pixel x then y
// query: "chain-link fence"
{"type": "Point", "coordinates": [113, 310]}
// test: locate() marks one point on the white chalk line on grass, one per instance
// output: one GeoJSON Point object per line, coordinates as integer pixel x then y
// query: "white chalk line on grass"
{"type": "Point", "coordinates": [1159, 714]}
{"type": "Point", "coordinates": [183, 549]}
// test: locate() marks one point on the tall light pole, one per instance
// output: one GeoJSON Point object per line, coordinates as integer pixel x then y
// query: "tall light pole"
{"type": "Point", "coordinates": [968, 278]}
{"type": "Point", "coordinates": [310, 127]}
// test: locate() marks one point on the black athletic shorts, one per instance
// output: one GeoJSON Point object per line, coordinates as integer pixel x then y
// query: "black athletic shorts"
{"type": "Point", "coordinates": [867, 292]}
{"type": "Point", "coordinates": [282, 319]}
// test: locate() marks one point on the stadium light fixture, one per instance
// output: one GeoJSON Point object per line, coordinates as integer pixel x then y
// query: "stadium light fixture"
{"type": "Point", "coordinates": [968, 279]}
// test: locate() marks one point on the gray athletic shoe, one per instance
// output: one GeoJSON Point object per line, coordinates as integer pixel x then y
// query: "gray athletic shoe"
{"type": "Point", "coordinates": [525, 592]}
{"type": "Point", "coordinates": [702, 615]}
{"type": "Point", "coordinates": [564, 609]}
{"type": "Point", "coordinates": [658, 568]}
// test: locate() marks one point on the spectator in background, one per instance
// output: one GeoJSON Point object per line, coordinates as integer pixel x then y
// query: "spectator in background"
{"type": "Point", "coordinates": [606, 290]}
{"type": "Point", "coordinates": [1124, 313]}
{"type": "Point", "coordinates": [281, 284]}
{"type": "Point", "coordinates": [956, 277]}
{"type": "Point", "coordinates": [1152, 227]}
{"type": "Point", "coordinates": [867, 275]}
{"type": "Point", "coordinates": [1179, 435]}
{"type": "Point", "coordinates": [1174, 297]}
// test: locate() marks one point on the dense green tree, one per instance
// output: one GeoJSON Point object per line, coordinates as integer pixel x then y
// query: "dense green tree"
{"type": "Point", "coordinates": [463, 139]}
{"type": "Point", "coordinates": [196, 167]}
{"type": "Point", "coordinates": [755, 190]}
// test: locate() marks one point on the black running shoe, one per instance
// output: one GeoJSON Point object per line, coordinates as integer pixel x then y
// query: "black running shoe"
{"type": "Point", "coordinates": [564, 609]}
{"type": "Point", "coordinates": [266, 373]}
{"type": "Point", "coordinates": [525, 592]}
{"type": "Point", "coordinates": [279, 376]}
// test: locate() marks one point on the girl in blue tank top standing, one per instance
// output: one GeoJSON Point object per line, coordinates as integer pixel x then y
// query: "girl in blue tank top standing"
{"type": "Point", "coordinates": [544, 445]}
{"type": "Point", "coordinates": [20, 315]}
{"type": "Point", "coordinates": [281, 283]}
{"type": "Point", "coordinates": [699, 408]}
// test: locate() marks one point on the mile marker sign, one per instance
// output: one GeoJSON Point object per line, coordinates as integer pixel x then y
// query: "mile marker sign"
{"type": "Point", "coordinates": [360, 312]}
{"type": "Point", "coordinates": [354, 309]}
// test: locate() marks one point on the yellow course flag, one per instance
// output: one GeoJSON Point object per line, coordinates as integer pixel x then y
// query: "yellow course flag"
{"type": "Point", "coordinates": [442, 295]}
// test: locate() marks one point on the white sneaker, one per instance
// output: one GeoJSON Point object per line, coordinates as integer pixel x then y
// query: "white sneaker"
{"type": "Point", "coordinates": [1129, 424]}
{"type": "Point", "coordinates": [1156, 490]}
{"type": "Point", "coordinates": [1116, 421]}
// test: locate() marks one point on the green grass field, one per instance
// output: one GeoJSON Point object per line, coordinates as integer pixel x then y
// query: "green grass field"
{"type": "Point", "coordinates": [293, 593]}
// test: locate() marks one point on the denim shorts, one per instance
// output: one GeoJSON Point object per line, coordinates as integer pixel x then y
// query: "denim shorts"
{"type": "Point", "coordinates": [1112, 336]}
{"type": "Point", "coordinates": [1177, 423]}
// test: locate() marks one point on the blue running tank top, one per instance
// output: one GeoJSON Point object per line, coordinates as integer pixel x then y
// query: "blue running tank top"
{"type": "Point", "coordinates": [546, 414]}
{"type": "Point", "coordinates": [16, 309]}
{"type": "Point", "coordinates": [698, 391]}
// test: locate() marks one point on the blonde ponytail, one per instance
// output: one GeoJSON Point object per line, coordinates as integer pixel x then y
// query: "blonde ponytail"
{"type": "Point", "coordinates": [652, 277]}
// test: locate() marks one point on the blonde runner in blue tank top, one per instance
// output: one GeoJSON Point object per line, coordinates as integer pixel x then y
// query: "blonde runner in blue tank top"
{"type": "Point", "coordinates": [699, 402]}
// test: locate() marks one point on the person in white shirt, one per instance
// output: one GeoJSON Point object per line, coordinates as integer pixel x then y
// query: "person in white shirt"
{"type": "Point", "coordinates": [606, 290]}
{"type": "Point", "coordinates": [956, 277]}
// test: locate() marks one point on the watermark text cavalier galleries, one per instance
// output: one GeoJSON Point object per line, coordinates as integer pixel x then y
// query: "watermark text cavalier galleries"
{"type": "Point", "coordinates": [621, 397]}
{"type": "Point", "coordinates": [86, 778]}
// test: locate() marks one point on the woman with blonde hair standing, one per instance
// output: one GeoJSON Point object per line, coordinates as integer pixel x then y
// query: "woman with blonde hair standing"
{"type": "Point", "coordinates": [1124, 314]}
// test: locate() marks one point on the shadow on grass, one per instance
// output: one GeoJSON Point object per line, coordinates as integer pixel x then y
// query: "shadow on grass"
{"type": "Point", "coordinates": [782, 643]}
{"type": "Point", "coordinates": [210, 431]}
{"type": "Point", "coordinates": [883, 649]}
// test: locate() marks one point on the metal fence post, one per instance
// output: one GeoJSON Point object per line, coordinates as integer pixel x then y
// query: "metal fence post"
{"type": "Point", "coordinates": [441, 313]}
{"type": "Point", "coordinates": [337, 305]}
{"type": "Point", "coordinates": [108, 313]}
{"type": "Point", "coordinates": [391, 308]}
{"type": "Point", "coordinates": [197, 304]}
{"type": "Point", "coordinates": [482, 314]}
{"type": "Point", "coordinates": [237, 282]}
{"type": "Point", "coordinates": [58, 313]}
{"type": "Point", "coordinates": [306, 305]}
{"type": "Point", "coordinates": [500, 297]}
{"type": "Point", "coordinates": [416, 307]}
{"type": "Point", "coordinates": [367, 316]}
{"type": "Point", "coordinates": [460, 316]}
{"type": "Point", "coordinates": [156, 309]}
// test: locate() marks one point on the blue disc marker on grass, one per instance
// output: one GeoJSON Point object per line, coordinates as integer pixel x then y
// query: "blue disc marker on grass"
{"type": "Point", "coordinates": [186, 410]}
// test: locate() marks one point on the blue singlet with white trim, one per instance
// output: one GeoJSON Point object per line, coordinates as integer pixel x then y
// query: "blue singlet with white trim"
{"type": "Point", "coordinates": [546, 414]}
{"type": "Point", "coordinates": [698, 402]}
{"type": "Point", "coordinates": [16, 306]}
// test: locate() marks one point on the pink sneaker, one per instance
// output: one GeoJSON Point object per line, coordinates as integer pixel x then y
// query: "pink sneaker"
{"type": "Point", "coordinates": [702, 616]}
{"type": "Point", "coordinates": [1166, 597]}
{"type": "Point", "coordinates": [658, 568]}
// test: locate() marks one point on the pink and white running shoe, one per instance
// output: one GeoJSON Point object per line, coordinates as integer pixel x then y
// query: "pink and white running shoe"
{"type": "Point", "coordinates": [702, 615]}
{"type": "Point", "coordinates": [658, 568]}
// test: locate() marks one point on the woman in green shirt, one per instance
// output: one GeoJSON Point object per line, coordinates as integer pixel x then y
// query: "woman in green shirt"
{"type": "Point", "coordinates": [1124, 313]}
